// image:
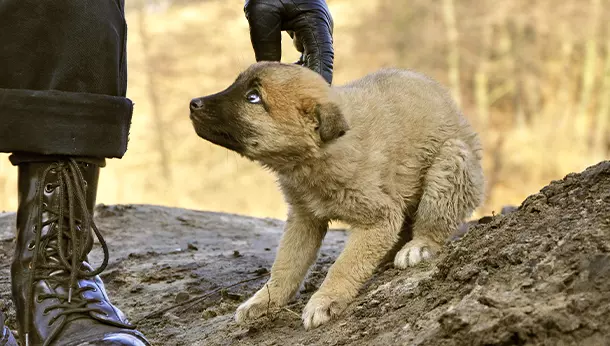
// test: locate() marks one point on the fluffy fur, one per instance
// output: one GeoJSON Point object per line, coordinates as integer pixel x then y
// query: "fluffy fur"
{"type": "Point", "coordinates": [389, 147]}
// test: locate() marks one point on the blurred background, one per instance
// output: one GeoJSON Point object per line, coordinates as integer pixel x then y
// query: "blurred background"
{"type": "Point", "coordinates": [533, 77]}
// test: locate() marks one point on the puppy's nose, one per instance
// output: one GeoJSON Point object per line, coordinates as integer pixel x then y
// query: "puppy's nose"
{"type": "Point", "coordinates": [196, 104]}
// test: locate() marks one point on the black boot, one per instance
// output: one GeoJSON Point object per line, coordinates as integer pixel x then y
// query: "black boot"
{"type": "Point", "coordinates": [6, 337]}
{"type": "Point", "coordinates": [59, 297]}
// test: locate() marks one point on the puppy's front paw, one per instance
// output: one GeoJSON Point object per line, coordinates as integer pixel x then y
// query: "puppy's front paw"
{"type": "Point", "coordinates": [255, 307]}
{"type": "Point", "coordinates": [321, 308]}
{"type": "Point", "coordinates": [415, 251]}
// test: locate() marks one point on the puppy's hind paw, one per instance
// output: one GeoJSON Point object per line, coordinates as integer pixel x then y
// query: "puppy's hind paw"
{"type": "Point", "coordinates": [320, 309]}
{"type": "Point", "coordinates": [414, 252]}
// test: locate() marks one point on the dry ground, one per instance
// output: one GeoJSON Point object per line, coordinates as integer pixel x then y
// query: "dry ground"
{"type": "Point", "coordinates": [536, 276]}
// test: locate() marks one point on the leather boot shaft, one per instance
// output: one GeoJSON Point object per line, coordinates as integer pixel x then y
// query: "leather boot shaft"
{"type": "Point", "coordinates": [34, 195]}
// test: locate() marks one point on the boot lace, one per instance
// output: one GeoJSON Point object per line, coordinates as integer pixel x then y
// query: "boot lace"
{"type": "Point", "coordinates": [59, 254]}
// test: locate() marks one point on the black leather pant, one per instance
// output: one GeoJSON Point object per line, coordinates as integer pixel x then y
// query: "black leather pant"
{"type": "Point", "coordinates": [63, 77]}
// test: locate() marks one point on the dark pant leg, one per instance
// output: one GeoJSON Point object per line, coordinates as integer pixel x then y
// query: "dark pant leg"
{"type": "Point", "coordinates": [63, 77]}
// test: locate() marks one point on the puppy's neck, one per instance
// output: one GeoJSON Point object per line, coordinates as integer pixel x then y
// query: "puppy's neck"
{"type": "Point", "coordinates": [323, 171]}
{"type": "Point", "coordinates": [292, 165]}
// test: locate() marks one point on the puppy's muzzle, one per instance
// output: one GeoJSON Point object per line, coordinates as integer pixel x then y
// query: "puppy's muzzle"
{"type": "Point", "coordinates": [215, 123]}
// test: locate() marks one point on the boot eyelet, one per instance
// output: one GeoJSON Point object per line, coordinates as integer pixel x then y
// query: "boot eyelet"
{"type": "Point", "coordinates": [38, 300]}
{"type": "Point", "coordinates": [48, 188]}
{"type": "Point", "coordinates": [31, 245]}
{"type": "Point", "coordinates": [85, 183]}
{"type": "Point", "coordinates": [45, 205]}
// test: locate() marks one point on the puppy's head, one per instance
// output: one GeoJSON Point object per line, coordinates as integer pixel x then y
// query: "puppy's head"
{"type": "Point", "coordinates": [274, 113]}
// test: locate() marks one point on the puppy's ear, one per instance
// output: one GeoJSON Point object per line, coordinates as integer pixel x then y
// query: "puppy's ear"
{"type": "Point", "coordinates": [331, 122]}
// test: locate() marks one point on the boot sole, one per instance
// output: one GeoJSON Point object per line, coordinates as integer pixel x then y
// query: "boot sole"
{"type": "Point", "coordinates": [7, 338]}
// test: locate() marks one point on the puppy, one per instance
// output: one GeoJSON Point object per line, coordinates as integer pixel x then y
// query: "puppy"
{"type": "Point", "coordinates": [389, 146]}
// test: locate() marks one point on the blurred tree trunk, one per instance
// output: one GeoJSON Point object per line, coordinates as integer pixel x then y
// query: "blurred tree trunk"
{"type": "Point", "coordinates": [602, 127]}
{"type": "Point", "coordinates": [497, 165]}
{"type": "Point", "coordinates": [589, 68]}
{"type": "Point", "coordinates": [505, 63]}
{"type": "Point", "coordinates": [564, 92]}
{"type": "Point", "coordinates": [453, 59]}
{"type": "Point", "coordinates": [482, 78]}
{"type": "Point", "coordinates": [151, 87]}
{"type": "Point", "coordinates": [516, 33]}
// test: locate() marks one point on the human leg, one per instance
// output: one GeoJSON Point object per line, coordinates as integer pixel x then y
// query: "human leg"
{"type": "Point", "coordinates": [62, 112]}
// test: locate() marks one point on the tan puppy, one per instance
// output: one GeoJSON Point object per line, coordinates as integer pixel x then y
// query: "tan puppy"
{"type": "Point", "coordinates": [370, 153]}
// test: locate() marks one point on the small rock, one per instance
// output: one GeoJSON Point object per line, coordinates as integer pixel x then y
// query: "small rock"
{"type": "Point", "coordinates": [599, 267]}
{"type": "Point", "coordinates": [507, 209]}
{"type": "Point", "coordinates": [482, 278]}
{"type": "Point", "coordinates": [172, 317]}
{"type": "Point", "coordinates": [261, 271]}
{"type": "Point", "coordinates": [485, 219]}
{"type": "Point", "coordinates": [308, 287]}
{"type": "Point", "coordinates": [240, 333]}
{"type": "Point", "coordinates": [207, 314]}
{"type": "Point", "coordinates": [192, 247]}
{"type": "Point", "coordinates": [182, 297]}
{"type": "Point", "coordinates": [232, 296]}
{"type": "Point", "coordinates": [565, 322]}
{"type": "Point", "coordinates": [527, 283]}
{"type": "Point", "coordinates": [236, 254]}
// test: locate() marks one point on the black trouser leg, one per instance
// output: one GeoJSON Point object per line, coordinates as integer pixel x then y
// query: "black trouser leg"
{"type": "Point", "coordinates": [63, 77]}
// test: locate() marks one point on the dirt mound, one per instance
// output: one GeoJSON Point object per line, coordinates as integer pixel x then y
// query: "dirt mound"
{"type": "Point", "coordinates": [538, 275]}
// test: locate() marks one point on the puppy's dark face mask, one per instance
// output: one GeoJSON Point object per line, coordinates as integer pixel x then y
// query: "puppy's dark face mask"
{"type": "Point", "coordinates": [217, 118]}
{"type": "Point", "coordinates": [273, 113]}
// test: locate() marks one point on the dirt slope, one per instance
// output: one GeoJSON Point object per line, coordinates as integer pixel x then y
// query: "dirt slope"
{"type": "Point", "coordinates": [537, 276]}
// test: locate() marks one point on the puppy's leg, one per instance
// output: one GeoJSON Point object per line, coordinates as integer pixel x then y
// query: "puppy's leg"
{"type": "Point", "coordinates": [453, 188]}
{"type": "Point", "coordinates": [363, 252]}
{"type": "Point", "coordinates": [297, 251]}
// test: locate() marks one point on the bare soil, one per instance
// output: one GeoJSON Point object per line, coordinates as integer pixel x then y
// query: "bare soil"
{"type": "Point", "coordinates": [538, 275]}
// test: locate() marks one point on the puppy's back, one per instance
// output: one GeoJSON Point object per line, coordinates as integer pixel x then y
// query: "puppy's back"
{"type": "Point", "coordinates": [392, 98]}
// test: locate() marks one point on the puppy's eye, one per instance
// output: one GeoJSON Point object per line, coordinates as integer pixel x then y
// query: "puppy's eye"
{"type": "Point", "coordinates": [253, 97]}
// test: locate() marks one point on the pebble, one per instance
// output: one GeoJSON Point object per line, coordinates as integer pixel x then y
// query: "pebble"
{"type": "Point", "coordinates": [182, 297]}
